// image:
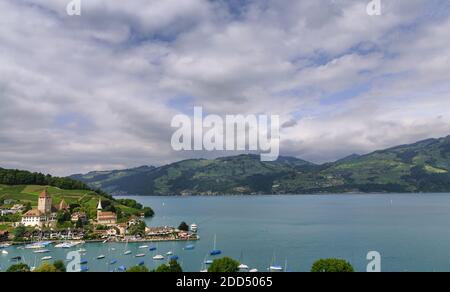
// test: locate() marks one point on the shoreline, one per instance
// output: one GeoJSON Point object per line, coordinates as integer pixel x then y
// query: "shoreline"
{"type": "Point", "coordinates": [101, 241]}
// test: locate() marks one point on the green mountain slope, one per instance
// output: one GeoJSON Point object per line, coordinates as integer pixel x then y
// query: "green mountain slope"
{"type": "Point", "coordinates": [420, 167]}
{"type": "Point", "coordinates": [244, 174]}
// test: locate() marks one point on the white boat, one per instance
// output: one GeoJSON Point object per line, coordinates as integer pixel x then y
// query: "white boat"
{"type": "Point", "coordinates": [127, 252]}
{"type": "Point", "coordinates": [42, 251]}
{"type": "Point", "coordinates": [143, 246]}
{"type": "Point", "coordinates": [276, 269]}
{"type": "Point", "coordinates": [47, 258]}
{"type": "Point", "coordinates": [253, 271]}
{"type": "Point", "coordinates": [243, 267]}
{"type": "Point", "coordinates": [158, 257]}
{"type": "Point", "coordinates": [204, 271]}
{"type": "Point", "coordinates": [68, 244]}
{"type": "Point", "coordinates": [4, 252]}
{"type": "Point", "coordinates": [169, 253]}
{"type": "Point", "coordinates": [82, 250]}
{"type": "Point", "coordinates": [100, 257]}
{"type": "Point", "coordinates": [141, 255]}
{"type": "Point", "coordinates": [38, 245]}
{"type": "Point", "coordinates": [5, 245]}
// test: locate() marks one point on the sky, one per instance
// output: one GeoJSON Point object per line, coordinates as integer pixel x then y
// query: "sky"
{"type": "Point", "coordinates": [98, 91]}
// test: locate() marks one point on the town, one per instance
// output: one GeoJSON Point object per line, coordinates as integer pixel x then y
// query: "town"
{"type": "Point", "coordinates": [64, 222]}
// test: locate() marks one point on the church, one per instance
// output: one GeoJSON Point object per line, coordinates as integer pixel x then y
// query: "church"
{"type": "Point", "coordinates": [105, 218]}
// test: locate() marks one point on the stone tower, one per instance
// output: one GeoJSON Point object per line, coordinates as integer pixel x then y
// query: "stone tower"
{"type": "Point", "coordinates": [45, 202]}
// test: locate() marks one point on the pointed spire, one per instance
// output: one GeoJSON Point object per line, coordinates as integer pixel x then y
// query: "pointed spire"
{"type": "Point", "coordinates": [99, 207]}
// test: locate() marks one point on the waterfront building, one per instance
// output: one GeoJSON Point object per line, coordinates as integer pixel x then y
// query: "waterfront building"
{"type": "Point", "coordinates": [34, 218]}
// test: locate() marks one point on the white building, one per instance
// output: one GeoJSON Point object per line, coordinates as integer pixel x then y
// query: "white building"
{"type": "Point", "coordinates": [34, 218]}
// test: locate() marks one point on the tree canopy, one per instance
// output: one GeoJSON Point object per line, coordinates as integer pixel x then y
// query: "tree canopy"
{"type": "Point", "coordinates": [224, 265]}
{"type": "Point", "coordinates": [332, 266]}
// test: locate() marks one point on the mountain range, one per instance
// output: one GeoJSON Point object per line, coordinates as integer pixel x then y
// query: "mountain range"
{"type": "Point", "coordinates": [420, 167]}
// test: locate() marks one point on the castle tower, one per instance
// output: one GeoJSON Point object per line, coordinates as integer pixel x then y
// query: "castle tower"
{"type": "Point", "coordinates": [45, 202]}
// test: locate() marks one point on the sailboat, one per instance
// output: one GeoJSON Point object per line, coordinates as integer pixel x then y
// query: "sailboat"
{"type": "Point", "coordinates": [242, 267]}
{"type": "Point", "coordinates": [273, 267]}
{"type": "Point", "coordinates": [127, 252]}
{"type": "Point", "coordinates": [215, 251]}
{"type": "Point", "coordinates": [4, 252]}
{"type": "Point", "coordinates": [47, 258]}
{"type": "Point", "coordinates": [101, 257]}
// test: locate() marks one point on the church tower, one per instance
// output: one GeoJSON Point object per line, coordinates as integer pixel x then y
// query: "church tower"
{"type": "Point", "coordinates": [45, 202]}
{"type": "Point", "coordinates": [99, 209]}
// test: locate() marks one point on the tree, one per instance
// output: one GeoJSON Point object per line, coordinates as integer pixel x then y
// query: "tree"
{"type": "Point", "coordinates": [60, 266]}
{"type": "Point", "coordinates": [62, 217]}
{"type": "Point", "coordinates": [138, 269]}
{"type": "Point", "coordinates": [46, 268]}
{"type": "Point", "coordinates": [183, 226]}
{"type": "Point", "coordinates": [332, 266]}
{"type": "Point", "coordinates": [18, 268]}
{"type": "Point", "coordinates": [224, 265]}
{"type": "Point", "coordinates": [19, 232]}
{"type": "Point", "coordinates": [27, 207]}
{"type": "Point", "coordinates": [79, 223]}
{"type": "Point", "coordinates": [148, 212]}
{"type": "Point", "coordinates": [172, 267]}
{"type": "Point", "coordinates": [137, 229]}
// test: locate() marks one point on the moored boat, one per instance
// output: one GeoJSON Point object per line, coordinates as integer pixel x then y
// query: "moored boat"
{"type": "Point", "coordinates": [158, 257]}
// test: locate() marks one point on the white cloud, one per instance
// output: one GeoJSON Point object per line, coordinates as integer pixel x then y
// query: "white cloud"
{"type": "Point", "coordinates": [98, 91]}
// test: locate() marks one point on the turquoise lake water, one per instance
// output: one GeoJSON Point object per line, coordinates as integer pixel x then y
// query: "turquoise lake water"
{"type": "Point", "coordinates": [411, 231]}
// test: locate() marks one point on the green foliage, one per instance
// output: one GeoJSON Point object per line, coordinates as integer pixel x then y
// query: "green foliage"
{"type": "Point", "coordinates": [60, 266]}
{"type": "Point", "coordinates": [19, 232]}
{"type": "Point", "coordinates": [172, 267]}
{"type": "Point", "coordinates": [332, 266]}
{"type": "Point", "coordinates": [183, 226]}
{"type": "Point", "coordinates": [63, 216]}
{"type": "Point", "coordinates": [137, 229]}
{"type": "Point", "coordinates": [224, 265]}
{"type": "Point", "coordinates": [46, 268]}
{"type": "Point", "coordinates": [20, 177]}
{"type": "Point", "coordinates": [18, 268]}
{"type": "Point", "coordinates": [138, 269]}
{"type": "Point", "coordinates": [11, 218]}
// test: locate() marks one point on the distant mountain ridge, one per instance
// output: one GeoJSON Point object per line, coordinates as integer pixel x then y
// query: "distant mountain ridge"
{"type": "Point", "coordinates": [420, 167]}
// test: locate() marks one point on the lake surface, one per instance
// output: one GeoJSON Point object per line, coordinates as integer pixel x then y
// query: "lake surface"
{"type": "Point", "coordinates": [411, 231]}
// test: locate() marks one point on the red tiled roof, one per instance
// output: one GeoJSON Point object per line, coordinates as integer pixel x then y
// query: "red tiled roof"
{"type": "Point", "coordinates": [44, 194]}
{"type": "Point", "coordinates": [33, 213]}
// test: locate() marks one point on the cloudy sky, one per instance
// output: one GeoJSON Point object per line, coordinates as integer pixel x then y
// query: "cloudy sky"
{"type": "Point", "coordinates": [98, 91]}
